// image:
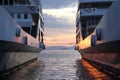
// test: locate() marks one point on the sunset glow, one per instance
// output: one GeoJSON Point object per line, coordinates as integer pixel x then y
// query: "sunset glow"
{"type": "Point", "coordinates": [93, 72]}
{"type": "Point", "coordinates": [60, 25]}
{"type": "Point", "coordinates": [62, 39]}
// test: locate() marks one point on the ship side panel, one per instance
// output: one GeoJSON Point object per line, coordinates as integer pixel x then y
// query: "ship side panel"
{"type": "Point", "coordinates": [109, 24]}
{"type": "Point", "coordinates": [8, 28]}
{"type": "Point", "coordinates": [113, 22]}
{"type": "Point", "coordinates": [107, 51]}
{"type": "Point", "coordinates": [12, 60]}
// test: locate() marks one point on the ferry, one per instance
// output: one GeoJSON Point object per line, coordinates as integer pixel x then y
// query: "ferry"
{"type": "Point", "coordinates": [21, 32]}
{"type": "Point", "coordinates": [97, 31]}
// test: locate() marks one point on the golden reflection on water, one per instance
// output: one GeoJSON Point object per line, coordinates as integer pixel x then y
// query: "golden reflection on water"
{"type": "Point", "coordinates": [93, 72]}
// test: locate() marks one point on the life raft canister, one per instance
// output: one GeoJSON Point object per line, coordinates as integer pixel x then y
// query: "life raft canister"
{"type": "Point", "coordinates": [18, 32]}
{"type": "Point", "coordinates": [93, 40]}
{"type": "Point", "coordinates": [99, 33]}
{"type": "Point", "coordinates": [25, 38]}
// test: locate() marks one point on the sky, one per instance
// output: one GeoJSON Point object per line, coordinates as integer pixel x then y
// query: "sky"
{"type": "Point", "coordinates": [59, 22]}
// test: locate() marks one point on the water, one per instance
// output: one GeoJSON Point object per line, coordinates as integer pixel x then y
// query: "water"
{"type": "Point", "coordinates": [59, 64]}
{"type": "Point", "coordinates": [53, 65]}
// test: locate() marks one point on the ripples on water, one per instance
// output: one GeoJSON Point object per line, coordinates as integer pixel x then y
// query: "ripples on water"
{"type": "Point", "coordinates": [53, 65]}
{"type": "Point", "coordinates": [60, 64]}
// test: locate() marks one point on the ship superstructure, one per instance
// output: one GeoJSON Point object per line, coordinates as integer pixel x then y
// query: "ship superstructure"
{"type": "Point", "coordinates": [28, 15]}
{"type": "Point", "coordinates": [21, 32]}
{"type": "Point", "coordinates": [89, 14]}
{"type": "Point", "coordinates": [97, 33]}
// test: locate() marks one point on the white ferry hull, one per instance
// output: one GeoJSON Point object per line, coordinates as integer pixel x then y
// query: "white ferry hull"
{"type": "Point", "coordinates": [103, 45]}
{"type": "Point", "coordinates": [16, 46]}
{"type": "Point", "coordinates": [107, 30]}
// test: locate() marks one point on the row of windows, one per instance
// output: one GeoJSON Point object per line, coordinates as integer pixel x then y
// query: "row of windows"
{"type": "Point", "coordinates": [6, 2]}
{"type": "Point", "coordinates": [19, 16]}
{"type": "Point", "coordinates": [96, 5]}
{"type": "Point", "coordinates": [90, 23]}
{"type": "Point", "coordinates": [25, 16]}
{"type": "Point", "coordinates": [11, 2]}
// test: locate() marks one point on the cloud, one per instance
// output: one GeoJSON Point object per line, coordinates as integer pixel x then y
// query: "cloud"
{"type": "Point", "coordinates": [50, 4]}
{"type": "Point", "coordinates": [63, 15]}
{"type": "Point", "coordinates": [59, 18]}
{"type": "Point", "coordinates": [52, 22]}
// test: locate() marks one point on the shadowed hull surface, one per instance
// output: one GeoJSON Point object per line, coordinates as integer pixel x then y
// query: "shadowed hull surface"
{"type": "Point", "coordinates": [7, 46]}
{"type": "Point", "coordinates": [13, 55]}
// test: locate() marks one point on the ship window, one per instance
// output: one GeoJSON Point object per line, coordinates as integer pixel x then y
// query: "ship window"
{"type": "Point", "coordinates": [25, 16]}
{"type": "Point", "coordinates": [94, 5]}
{"type": "Point", "coordinates": [22, 2]}
{"type": "Point", "coordinates": [11, 2]}
{"type": "Point", "coordinates": [12, 15]}
{"type": "Point", "coordinates": [5, 2]}
{"type": "Point", "coordinates": [18, 16]}
{"type": "Point", "coordinates": [39, 36]}
{"type": "Point", "coordinates": [26, 29]}
{"type": "Point", "coordinates": [1, 2]}
{"type": "Point", "coordinates": [16, 1]}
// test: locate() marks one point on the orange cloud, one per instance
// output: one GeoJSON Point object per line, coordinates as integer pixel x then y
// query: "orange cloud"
{"type": "Point", "coordinates": [58, 38]}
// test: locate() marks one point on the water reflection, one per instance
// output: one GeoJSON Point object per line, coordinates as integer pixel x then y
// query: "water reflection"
{"type": "Point", "coordinates": [60, 64]}
{"type": "Point", "coordinates": [94, 73]}
{"type": "Point", "coordinates": [81, 71]}
{"type": "Point", "coordinates": [55, 65]}
{"type": "Point", "coordinates": [31, 72]}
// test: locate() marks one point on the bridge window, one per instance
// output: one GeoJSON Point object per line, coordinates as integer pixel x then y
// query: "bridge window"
{"type": "Point", "coordinates": [1, 2]}
{"type": "Point", "coordinates": [21, 1]}
{"type": "Point", "coordinates": [6, 2]}
{"type": "Point", "coordinates": [18, 16]}
{"type": "Point", "coordinates": [25, 16]}
{"type": "Point", "coordinates": [96, 5]}
{"type": "Point", "coordinates": [11, 2]}
{"type": "Point", "coordinates": [12, 15]}
{"type": "Point", "coordinates": [16, 1]}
